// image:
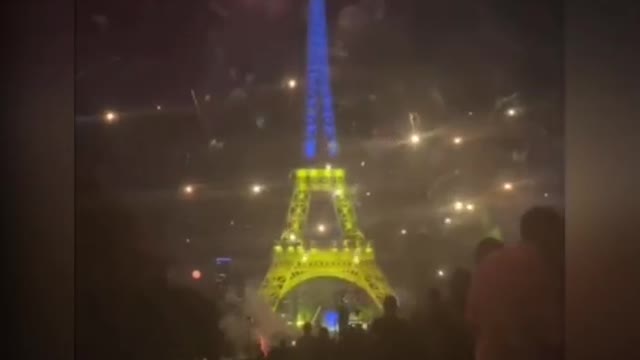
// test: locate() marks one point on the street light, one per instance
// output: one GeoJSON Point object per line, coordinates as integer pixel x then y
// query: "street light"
{"type": "Point", "coordinates": [447, 221]}
{"type": "Point", "coordinates": [458, 205]}
{"type": "Point", "coordinates": [457, 140]}
{"type": "Point", "coordinates": [470, 207]}
{"type": "Point", "coordinates": [403, 231]}
{"type": "Point", "coordinates": [188, 189]}
{"type": "Point", "coordinates": [512, 112]}
{"type": "Point", "coordinates": [292, 83]}
{"type": "Point", "coordinates": [507, 186]}
{"type": "Point", "coordinates": [414, 139]}
{"type": "Point", "coordinates": [440, 273]}
{"type": "Point", "coordinates": [321, 228]}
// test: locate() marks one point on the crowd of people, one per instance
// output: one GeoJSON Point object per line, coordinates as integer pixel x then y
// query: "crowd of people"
{"type": "Point", "coordinates": [510, 306]}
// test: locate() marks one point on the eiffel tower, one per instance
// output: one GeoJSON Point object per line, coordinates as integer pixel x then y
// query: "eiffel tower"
{"type": "Point", "coordinates": [352, 258]}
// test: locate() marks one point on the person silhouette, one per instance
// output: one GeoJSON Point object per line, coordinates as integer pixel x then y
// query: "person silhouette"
{"type": "Point", "coordinates": [324, 349]}
{"type": "Point", "coordinates": [305, 346]}
{"type": "Point", "coordinates": [391, 336]}
{"type": "Point", "coordinates": [280, 352]}
{"type": "Point", "coordinates": [514, 306]}
{"type": "Point", "coordinates": [486, 247]}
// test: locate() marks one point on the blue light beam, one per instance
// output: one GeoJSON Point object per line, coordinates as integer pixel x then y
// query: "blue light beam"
{"type": "Point", "coordinates": [319, 94]}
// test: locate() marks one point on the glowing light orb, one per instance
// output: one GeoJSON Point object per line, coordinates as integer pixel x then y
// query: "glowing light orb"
{"type": "Point", "coordinates": [257, 189]}
{"type": "Point", "coordinates": [196, 274]}
{"type": "Point", "coordinates": [110, 117]}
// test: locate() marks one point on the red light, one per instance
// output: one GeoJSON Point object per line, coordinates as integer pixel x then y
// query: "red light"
{"type": "Point", "coordinates": [196, 274]}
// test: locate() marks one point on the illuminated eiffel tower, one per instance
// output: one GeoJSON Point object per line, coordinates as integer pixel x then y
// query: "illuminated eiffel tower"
{"type": "Point", "coordinates": [352, 258]}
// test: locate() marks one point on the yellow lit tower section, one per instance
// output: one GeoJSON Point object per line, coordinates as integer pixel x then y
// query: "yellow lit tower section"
{"type": "Point", "coordinates": [352, 258]}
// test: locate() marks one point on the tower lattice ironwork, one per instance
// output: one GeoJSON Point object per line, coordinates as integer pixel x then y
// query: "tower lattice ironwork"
{"type": "Point", "coordinates": [351, 258]}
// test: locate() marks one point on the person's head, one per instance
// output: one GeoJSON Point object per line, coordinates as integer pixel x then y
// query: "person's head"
{"type": "Point", "coordinates": [485, 247]}
{"type": "Point", "coordinates": [390, 305]}
{"type": "Point", "coordinates": [306, 328]}
{"type": "Point", "coordinates": [543, 227]}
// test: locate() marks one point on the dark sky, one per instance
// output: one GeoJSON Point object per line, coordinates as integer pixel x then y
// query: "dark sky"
{"type": "Point", "coordinates": [476, 49]}
{"type": "Point", "coordinates": [440, 58]}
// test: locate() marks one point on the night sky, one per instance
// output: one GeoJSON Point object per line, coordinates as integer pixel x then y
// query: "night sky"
{"type": "Point", "coordinates": [459, 64]}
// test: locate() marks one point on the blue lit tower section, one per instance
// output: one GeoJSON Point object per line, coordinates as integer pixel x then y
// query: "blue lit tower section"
{"type": "Point", "coordinates": [319, 95]}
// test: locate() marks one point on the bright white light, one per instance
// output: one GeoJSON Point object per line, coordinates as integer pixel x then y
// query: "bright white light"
{"type": "Point", "coordinates": [321, 228]}
{"type": "Point", "coordinates": [507, 186]}
{"type": "Point", "coordinates": [470, 207]}
{"type": "Point", "coordinates": [368, 193]}
{"type": "Point", "coordinates": [414, 139]}
{"type": "Point", "coordinates": [447, 221]}
{"type": "Point", "coordinates": [403, 231]}
{"type": "Point", "coordinates": [257, 189]}
{"type": "Point", "coordinates": [293, 343]}
{"type": "Point", "coordinates": [188, 189]}
{"type": "Point", "coordinates": [458, 205]}
{"type": "Point", "coordinates": [292, 237]}
{"type": "Point", "coordinates": [188, 241]}
{"type": "Point", "coordinates": [158, 107]}
{"type": "Point", "coordinates": [362, 163]}
{"type": "Point", "coordinates": [292, 83]}
{"type": "Point", "coordinates": [512, 112]}
{"type": "Point", "coordinates": [110, 117]}
{"type": "Point", "coordinates": [327, 166]}
{"type": "Point", "coordinates": [196, 274]}
{"type": "Point", "coordinates": [441, 273]}
{"type": "Point", "coordinates": [457, 140]}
